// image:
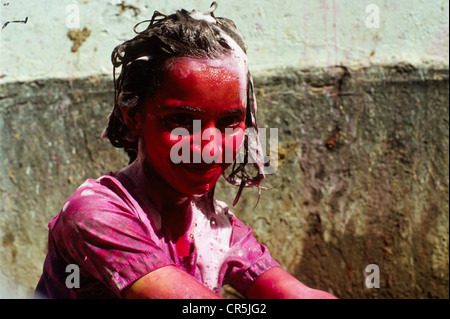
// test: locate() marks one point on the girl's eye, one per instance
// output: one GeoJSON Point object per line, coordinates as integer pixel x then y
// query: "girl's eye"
{"type": "Point", "coordinates": [230, 121]}
{"type": "Point", "coordinates": [178, 120]}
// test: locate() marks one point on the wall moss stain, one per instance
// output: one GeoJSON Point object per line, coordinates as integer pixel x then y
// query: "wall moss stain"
{"type": "Point", "coordinates": [78, 37]}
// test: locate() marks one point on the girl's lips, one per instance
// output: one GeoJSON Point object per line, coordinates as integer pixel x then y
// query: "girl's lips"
{"type": "Point", "coordinates": [201, 168]}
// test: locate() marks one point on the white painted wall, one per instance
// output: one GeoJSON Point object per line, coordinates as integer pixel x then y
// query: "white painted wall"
{"type": "Point", "coordinates": [278, 33]}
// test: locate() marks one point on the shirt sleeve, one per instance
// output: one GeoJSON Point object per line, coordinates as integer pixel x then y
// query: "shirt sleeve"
{"type": "Point", "coordinates": [103, 233]}
{"type": "Point", "coordinates": [248, 259]}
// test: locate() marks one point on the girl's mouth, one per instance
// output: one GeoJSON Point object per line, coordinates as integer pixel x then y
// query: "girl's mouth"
{"type": "Point", "coordinates": [201, 168]}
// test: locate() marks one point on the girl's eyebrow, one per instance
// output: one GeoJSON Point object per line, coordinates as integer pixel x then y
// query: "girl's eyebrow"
{"type": "Point", "coordinates": [179, 108]}
{"type": "Point", "coordinates": [238, 111]}
{"type": "Point", "coordinates": [192, 109]}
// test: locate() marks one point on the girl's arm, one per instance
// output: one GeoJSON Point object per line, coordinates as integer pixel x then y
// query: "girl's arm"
{"type": "Point", "coordinates": [172, 283]}
{"type": "Point", "coordinates": [168, 282]}
{"type": "Point", "coordinates": [276, 283]}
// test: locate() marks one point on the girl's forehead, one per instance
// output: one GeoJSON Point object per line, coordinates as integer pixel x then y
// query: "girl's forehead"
{"type": "Point", "coordinates": [192, 80]}
{"type": "Point", "coordinates": [227, 67]}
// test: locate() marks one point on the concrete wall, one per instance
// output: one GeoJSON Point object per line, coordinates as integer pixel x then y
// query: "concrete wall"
{"type": "Point", "coordinates": [362, 115]}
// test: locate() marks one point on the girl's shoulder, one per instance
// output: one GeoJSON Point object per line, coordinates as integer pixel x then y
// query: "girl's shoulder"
{"type": "Point", "coordinates": [94, 197]}
{"type": "Point", "coordinates": [101, 191]}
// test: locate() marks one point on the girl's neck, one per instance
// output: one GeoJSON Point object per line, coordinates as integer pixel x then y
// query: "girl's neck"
{"type": "Point", "coordinates": [174, 208]}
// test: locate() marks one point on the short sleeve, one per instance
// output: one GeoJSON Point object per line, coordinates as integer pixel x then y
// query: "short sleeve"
{"type": "Point", "coordinates": [101, 231]}
{"type": "Point", "coordinates": [248, 259]}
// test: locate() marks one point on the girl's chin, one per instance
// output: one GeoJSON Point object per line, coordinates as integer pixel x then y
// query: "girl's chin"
{"type": "Point", "coordinates": [203, 190]}
{"type": "Point", "coordinates": [198, 181]}
{"type": "Point", "coordinates": [196, 188]}
{"type": "Point", "coordinates": [190, 181]}
{"type": "Point", "coordinates": [191, 191]}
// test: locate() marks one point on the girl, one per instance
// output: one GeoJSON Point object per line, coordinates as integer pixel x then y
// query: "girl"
{"type": "Point", "coordinates": [153, 229]}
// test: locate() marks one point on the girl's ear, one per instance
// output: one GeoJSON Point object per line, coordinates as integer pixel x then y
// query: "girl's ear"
{"type": "Point", "coordinates": [134, 122]}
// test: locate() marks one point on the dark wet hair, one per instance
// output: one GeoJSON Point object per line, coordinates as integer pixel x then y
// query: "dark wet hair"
{"type": "Point", "coordinates": [143, 60]}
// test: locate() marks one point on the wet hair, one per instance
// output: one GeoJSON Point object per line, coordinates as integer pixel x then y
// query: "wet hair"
{"type": "Point", "coordinates": [143, 61]}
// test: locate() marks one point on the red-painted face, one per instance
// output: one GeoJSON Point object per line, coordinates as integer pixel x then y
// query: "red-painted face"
{"type": "Point", "coordinates": [204, 99]}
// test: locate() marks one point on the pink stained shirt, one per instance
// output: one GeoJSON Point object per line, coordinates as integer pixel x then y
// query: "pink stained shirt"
{"type": "Point", "coordinates": [114, 241]}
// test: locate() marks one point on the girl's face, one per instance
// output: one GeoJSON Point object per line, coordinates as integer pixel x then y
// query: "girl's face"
{"type": "Point", "coordinates": [205, 100]}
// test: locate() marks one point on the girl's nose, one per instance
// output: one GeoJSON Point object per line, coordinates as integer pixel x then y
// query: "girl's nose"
{"type": "Point", "coordinates": [207, 146]}
{"type": "Point", "coordinates": [212, 145]}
